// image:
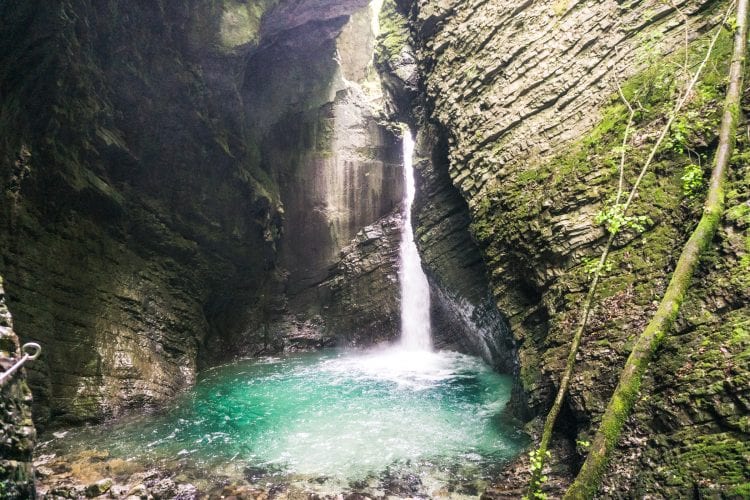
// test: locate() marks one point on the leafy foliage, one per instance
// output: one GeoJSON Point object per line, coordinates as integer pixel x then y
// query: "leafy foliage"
{"type": "Point", "coordinates": [535, 466]}
{"type": "Point", "coordinates": [613, 217]}
{"type": "Point", "coordinates": [687, 129]}
{"type": "Point", "coordinates": [692, 180]}
{"type": "Point", "coordinates": [591, 264]}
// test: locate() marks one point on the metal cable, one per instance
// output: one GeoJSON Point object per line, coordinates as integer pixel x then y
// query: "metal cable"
{"type": "Point", "coordinates": [31, 351]}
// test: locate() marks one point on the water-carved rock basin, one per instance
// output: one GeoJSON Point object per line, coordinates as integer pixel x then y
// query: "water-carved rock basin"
{"type": "Point", "coordinates": [381, 422]}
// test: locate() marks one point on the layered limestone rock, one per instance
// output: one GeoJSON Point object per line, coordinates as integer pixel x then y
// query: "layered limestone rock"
{"type": "Point", "coordinates": [338, 170]}
{"type": "Point", "coordinates": [360, 297]}
{"type": "Point", "coordinates": [17, 434]}
{"type": "Point", "coordinates": [115, 169]}
{"type": "Point", "coordinates": [526, 96]}
{"type": "Point", "coordinates": [149, 222]}
{"type": "Point", "coordinates": [463, 313]}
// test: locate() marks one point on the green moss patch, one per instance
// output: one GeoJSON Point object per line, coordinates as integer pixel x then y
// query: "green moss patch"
{"type": "Point", "coordinates": [394, 34]}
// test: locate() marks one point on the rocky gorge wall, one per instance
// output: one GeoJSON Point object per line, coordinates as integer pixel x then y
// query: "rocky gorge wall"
{"type": "Point", "coordinates": [312, 101]}
{"type": "Point", "coordinates": [188, 181]}
{"type": "Point", "coordinates": [464, 314]}
{"type": "Point", "coordinates": [17, 433]}
{"type": "Point", "coordinates": [525, 97]}
{"type": "Point", "coordinates": [179, 184]}
{"type": "Point", "coordinates": [104, 229]}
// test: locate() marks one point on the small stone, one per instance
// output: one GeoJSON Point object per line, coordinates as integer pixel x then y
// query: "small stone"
{"type": "Point", "coordinates": [42, 471]}
{"type": "Point", "coordinates": [98, 488]}
{"type": "Point", "coordinates": [137, 491]}
{"type": "Point", "coordinates": [63, 492]}
{"type": "Point", "coordinates": [164, 489]}
{"type": "Point", "coordinates": [186, 492]}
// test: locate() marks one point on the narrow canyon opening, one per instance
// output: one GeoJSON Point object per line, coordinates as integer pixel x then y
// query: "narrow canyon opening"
{"type": "Point", "coordinates": [373, 249]}
{"type": "Point", "coordinates": [269, 326]}
{"type": "Point", "coordinates": [401, 417]}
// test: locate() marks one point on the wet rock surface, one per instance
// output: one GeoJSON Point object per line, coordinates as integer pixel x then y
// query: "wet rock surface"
{"type": "Point", "coordinates": [59, 481]}
{"type": "Point", "coordinates": [363, 285]}
{"type": "Point", "coordinates": [149, 223]}
{"type": "Point", "coordinates": [95, 475]}
{"type": "Point", "coordinates": [17, 433]}
{"type": "Point", "coordinates": [525, 95]}
{"type": "Point", "coordinates": [463, 308]}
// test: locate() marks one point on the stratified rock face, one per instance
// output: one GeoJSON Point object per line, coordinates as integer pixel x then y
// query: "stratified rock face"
{"type": "Point", "coordinates": [338, 170]}
{"type": "Point", "coordinates": [148, 221]}
{"type": "Point", "coordinates": [556, 63]}
{"type": "Point", "coordinates": [17, 434]}
{"type": "Point", "coordinates": [464, 314]}
{"type": "Point", "coordinates": [356, 304]}
{"type": "Point", "coordinates": [526, 95]}
{"type": "Point", "coordinates": [364, 303]}
{"type": "Point", "coordinates": [115, 172]}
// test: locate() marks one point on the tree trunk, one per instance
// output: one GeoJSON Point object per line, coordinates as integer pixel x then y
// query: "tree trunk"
{"type": "Point", "coordinates": [588, 480]}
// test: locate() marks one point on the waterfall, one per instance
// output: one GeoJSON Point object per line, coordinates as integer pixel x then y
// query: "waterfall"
{"type": "Point", "coordinates": [415, 291]}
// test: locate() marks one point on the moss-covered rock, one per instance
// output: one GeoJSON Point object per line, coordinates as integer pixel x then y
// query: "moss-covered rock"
{"type": "Point", "coordinates": [241, 21]}
{"type": "Point", "coordinates": [393, 34]}
{"type": "Point", "coordinates": [527, 95]}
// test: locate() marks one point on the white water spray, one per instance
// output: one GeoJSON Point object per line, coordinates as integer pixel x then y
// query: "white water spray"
{"type": "Point", "coordinates": [415, 291]}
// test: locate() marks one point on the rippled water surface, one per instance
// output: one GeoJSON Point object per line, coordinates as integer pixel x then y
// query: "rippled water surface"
{"type": "Point", "coordinates": [339, 416]}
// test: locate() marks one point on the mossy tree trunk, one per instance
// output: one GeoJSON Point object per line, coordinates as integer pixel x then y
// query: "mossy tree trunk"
{"type": "Point", "coordinates": [588, 480]}
{"type": "Point", "coordinates": [539, 456]}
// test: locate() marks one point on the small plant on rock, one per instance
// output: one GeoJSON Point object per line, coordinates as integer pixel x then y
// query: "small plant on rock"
{"type": "Point", "coordinates": [692, 180]}
{"type": "Point", "coordinates": [583, 444]}
{"type": "Point", "coordinates": [614, 219]}
{"type": "Point", "coordinates": [591, 266]}
{"type": "Point", "coordinates": [536, 465]}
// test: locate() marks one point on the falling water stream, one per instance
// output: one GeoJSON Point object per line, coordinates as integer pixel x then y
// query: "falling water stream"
{"type": "Point", "coordinates": [402, 419]}
{"type": "Point", "coordinates": [415, 291]}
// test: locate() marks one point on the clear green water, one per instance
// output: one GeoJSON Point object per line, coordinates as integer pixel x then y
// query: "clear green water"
{"type": "Point", "coordinates": [342, 416]}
